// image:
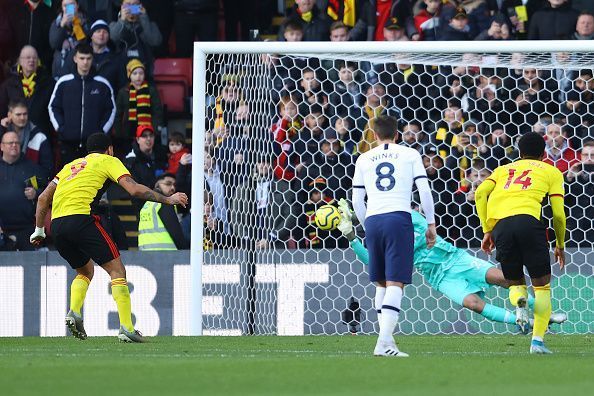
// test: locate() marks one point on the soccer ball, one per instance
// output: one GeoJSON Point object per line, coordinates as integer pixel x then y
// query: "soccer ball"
{"type": "Point", "coordinates": [327, 217]}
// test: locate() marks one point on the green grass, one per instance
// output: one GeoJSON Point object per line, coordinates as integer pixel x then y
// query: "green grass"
{"type": "Point", "coordinates": [319, 365]}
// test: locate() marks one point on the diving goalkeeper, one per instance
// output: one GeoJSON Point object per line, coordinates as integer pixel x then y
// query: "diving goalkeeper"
{"type": "Point", "coordinates": [454, 272]}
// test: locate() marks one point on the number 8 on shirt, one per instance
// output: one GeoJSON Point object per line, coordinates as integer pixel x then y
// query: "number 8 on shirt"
{"type": "Point", "coordinates": [386, 175]}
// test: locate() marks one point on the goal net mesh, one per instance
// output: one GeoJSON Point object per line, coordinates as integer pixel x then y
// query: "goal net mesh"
{"type": "Point", "coordinates": [283, 133]}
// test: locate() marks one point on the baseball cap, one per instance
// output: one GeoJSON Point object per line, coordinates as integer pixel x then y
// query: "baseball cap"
{"type": "Point", "coordinates": [144, 128]}
{"type": "Point", "coordinates": [392, 23]}
{"type": "Point", "coordinates": [450, 13]}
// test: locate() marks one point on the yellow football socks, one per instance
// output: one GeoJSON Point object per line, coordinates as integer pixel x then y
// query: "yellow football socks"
{"type": "Point", "coordinates": [542, 310]}
{"type": "Point", "coordinates": [78, 291]}
{"type": "Point", "coordinates": [121, 295]}
{"type": "Point", "coordinates": [515, 292]}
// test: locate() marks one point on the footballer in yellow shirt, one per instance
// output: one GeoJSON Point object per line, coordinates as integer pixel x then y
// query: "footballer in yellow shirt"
{"type": "Point", "coordinates": [509, 205]}
{"type": "Point", "coordinates": [78, 234]}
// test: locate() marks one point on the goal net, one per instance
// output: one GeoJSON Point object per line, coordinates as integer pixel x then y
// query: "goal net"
{"type": "Point", "coordinates": [278, 128]}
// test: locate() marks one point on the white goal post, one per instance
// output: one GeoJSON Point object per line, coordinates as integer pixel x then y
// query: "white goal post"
{"type": "Point", "coordinates": [215, 62]}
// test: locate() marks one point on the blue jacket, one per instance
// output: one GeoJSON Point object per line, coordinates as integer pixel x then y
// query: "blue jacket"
{"type": "Point", "coordinates": [81, 106]}
{"type": "Point", "coordinates": [16, 211]}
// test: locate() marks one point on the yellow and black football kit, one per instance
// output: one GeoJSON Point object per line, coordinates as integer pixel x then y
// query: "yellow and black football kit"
{"type": "Point", "coordinates": [509, 204]}
{"type": "Point", "coordinates": [76, 229]}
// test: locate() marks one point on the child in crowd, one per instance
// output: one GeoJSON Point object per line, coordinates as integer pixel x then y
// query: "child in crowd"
{"type": "Point", "coordinates": [137, 104]}
{"type": "Point", "coordinates": [177, 148]}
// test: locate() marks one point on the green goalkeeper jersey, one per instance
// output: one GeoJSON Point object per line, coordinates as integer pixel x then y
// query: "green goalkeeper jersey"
{"type": "Point", "coordinates": [433, 263]}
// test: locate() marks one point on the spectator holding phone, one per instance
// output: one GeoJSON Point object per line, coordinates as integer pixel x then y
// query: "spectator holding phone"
{"type": "Point", "coordinates": [136, 34]}
{"type": "Point", "coordinates": [68, 30]}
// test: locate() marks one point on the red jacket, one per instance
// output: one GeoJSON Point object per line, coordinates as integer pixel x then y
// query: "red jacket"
{"type": "Point", "coordinates": [173, 162]}
{"type": "Point", "coordinates": [284, 162]}
{"type": "Point", "coordinates": [422, 17]}
{"type": "Point", "coordinates": [568, 158]}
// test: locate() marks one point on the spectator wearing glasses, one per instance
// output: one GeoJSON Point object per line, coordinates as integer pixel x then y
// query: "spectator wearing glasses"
{"type": "Point", "coordinates": [147, 161]}
{"type": "Point", "coordinates": [21, 180]}
{"type": "Point", "coordinates": [159, 228]}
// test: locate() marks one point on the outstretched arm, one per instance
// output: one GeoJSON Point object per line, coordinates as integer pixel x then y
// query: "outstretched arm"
{"type": "Point", "coordinates": [143, 192]}
{"type": "Point", "coordinates": [43, 205]}
{"type": "Point", "coordinates": [346, 228]}
{"type": "Point", "coordinates": [428, 207]}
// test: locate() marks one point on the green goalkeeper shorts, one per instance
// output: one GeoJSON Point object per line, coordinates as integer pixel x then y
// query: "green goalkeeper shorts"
{"type": "Point", "coordinates": [467, 275]}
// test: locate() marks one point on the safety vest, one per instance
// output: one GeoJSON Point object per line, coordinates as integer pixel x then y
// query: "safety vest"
{"type": "Point", "coordinates": [152, 234]}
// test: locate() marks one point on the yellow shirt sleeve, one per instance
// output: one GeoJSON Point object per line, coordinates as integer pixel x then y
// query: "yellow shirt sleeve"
{"type": "Point", "coordinates": [63, 174]}
{"type": "Point", "coordinates": [556, 194]}
{"type": "Point", "coordinates": [481, 197]}
{"type": "Point", "coordinates": [556, 187]}
{"type": "Point", "coordinates": [115, 169]}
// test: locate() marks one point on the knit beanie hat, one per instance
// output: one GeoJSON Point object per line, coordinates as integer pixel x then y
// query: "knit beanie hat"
{"type": "Point", "coordinates": [133, 65]}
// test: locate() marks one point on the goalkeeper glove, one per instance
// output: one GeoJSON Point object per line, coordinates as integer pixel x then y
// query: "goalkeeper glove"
{"type": "Point", "coordinates": [346, 223]}
{"type": "Point", "coordinates": [38, 234]}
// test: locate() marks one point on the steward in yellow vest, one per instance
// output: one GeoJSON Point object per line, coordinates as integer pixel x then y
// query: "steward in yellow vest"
{"type": "Point", "coordinates": [159, 227]}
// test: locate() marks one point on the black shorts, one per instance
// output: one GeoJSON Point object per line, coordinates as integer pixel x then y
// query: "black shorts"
{"type": "Point", "coordinates": [79, 238]}
{"type": "Point", "coordinates": [521, 241]}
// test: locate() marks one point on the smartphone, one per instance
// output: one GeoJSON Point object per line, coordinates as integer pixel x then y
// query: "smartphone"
{"type": "Point", "coordinates": [134, 9]}
{"type": "Point", "coordinates": [70, 9]}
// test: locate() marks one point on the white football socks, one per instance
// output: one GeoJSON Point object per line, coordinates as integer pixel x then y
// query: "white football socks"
{"type": "Point", "coordinates": [380, 292]}
{"type": "Point", "coordinates": [390, 313]}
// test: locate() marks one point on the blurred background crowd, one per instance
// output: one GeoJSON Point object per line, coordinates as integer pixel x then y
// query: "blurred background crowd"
{"type": "Point", "coordinates": [72, 68]}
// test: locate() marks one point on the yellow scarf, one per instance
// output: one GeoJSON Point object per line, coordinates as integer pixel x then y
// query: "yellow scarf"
{"type": "Point", "coordinates": [77, 29]}
{"type": "Point", "coordinates": [348, 12]}
{"type": "Point", "coordinates": [28, 82]}
{"type": "Point", "coordinates": [306, 16]}
{"type": "Point", "coordinates": [368, 141]}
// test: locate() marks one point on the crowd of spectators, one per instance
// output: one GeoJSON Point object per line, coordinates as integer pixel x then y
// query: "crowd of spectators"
{"type": "Point", "coordinates": [71, 68]}
{"type": "Point", "coordinates": [464, 121]}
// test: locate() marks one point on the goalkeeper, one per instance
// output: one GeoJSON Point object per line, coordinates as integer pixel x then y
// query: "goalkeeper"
{"type": "Point", "coordinates": [454, 272]}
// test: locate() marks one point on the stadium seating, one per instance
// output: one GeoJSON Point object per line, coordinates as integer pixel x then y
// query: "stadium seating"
{"type": "Point", "coordinates": [173, 77]}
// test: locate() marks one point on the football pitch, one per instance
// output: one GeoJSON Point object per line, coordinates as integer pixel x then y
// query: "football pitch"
{"type": "Point", "coordinates": [319, 365]}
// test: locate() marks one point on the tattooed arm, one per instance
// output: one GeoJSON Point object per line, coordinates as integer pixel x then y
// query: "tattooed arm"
{"type": "Point", "coordinates": [143, 192]}
{"type": "Point", "coordinates": [43, 204]}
